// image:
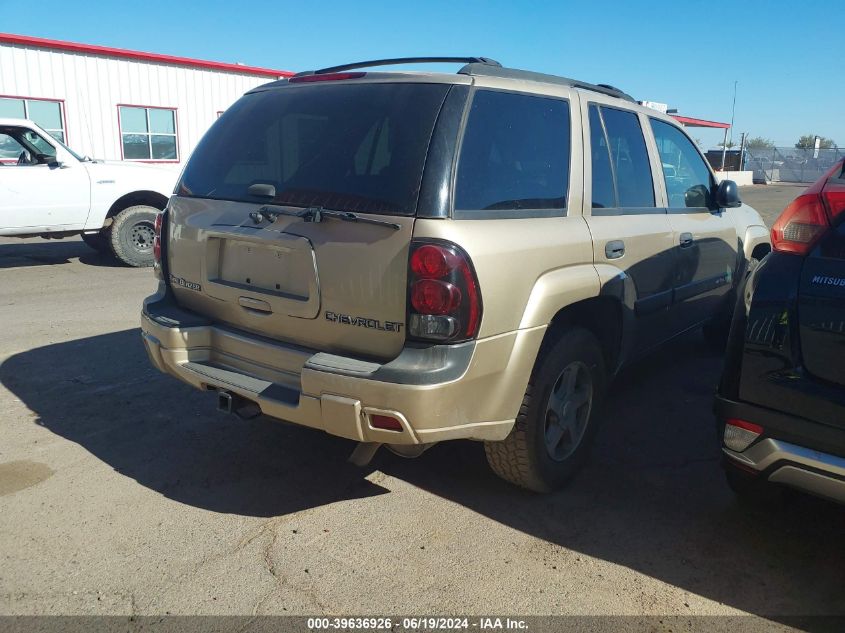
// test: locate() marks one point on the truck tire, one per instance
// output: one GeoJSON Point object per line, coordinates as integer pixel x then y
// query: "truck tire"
{"type": "Point", "coordinates": [131, 233]}
{"type": "Point", "coordinates": [97, 241]}
{"type": "Point", "coordinates": [556, 423]}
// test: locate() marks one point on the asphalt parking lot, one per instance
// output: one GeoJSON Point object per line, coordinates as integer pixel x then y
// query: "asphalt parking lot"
{"type": "Point", "coordinates": [124, 492]}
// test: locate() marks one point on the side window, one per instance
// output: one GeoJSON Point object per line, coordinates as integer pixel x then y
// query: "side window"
{"type": "Point", "coordinates": [604, 191]}
{"type": "Point", "coordinates": [10, 149]}
{"type": "Point", "coordinates": [515, 154]}
{"type": "Point", "coordinates": [688, 181]}
{"type": "Point", "coordinates": [39, 143]}
{"type": "Point", "coordinates": [629, 158]}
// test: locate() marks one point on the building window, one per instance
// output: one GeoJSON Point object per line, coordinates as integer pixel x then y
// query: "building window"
{"type": "Point", "coordinates": [148, 133]}
{"type": "Point", "coordinates": [45, 112]}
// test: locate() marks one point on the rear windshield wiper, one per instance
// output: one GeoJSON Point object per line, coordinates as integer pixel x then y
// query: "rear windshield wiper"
{"type": "Point", "coordinates": [316, 214]}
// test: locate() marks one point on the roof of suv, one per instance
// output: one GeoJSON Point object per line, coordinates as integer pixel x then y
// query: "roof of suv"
{"type": "Point", "coordinates": [474, 66]}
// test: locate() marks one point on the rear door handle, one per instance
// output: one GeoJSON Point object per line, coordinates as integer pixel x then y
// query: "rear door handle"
{"type": "Point", "coordinates": [614, 249]}
{"type": "Point", "coordinates": [686, 240]}
{"type": "Point", "coordinates": [255, 304]}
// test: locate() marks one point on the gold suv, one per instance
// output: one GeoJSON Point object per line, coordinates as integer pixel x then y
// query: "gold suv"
{"type": "Point", "coordinates": [403, 258]}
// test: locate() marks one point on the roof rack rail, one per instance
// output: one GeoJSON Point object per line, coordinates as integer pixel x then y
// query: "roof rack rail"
{"type": "Point", "coordinates": [482, 61]}
{"type": "Point", "coordinates": [513, 73]}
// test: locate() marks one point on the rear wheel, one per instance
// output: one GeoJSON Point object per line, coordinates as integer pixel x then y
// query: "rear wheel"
{"type": "Point", "coordinates": [131, 234]}
{"type": "Point", "coordinates": [555, 426]}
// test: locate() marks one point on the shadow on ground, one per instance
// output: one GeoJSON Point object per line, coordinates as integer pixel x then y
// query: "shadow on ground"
{"type": "Point", "coordinates": [50, 253]}
{"type": "Point", "coordinates": [652, 498]}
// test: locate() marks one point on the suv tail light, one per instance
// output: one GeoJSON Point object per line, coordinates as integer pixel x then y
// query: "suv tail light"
{"type": "Point", "coordinates": [739, 434]}
{"type": "Point", "coordinates": [444, 300]}
{"type": "Point", "coordinates": [157, 228]}
{"type": "Point", "coordinates": [810, 215]}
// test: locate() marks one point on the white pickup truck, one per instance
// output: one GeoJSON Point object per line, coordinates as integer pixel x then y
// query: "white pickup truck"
{"type": "Point", "coordinates": [48, 190]}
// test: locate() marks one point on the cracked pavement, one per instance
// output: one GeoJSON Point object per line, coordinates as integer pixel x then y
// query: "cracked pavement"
{"type": "Point", "coordinates": [124, 492]}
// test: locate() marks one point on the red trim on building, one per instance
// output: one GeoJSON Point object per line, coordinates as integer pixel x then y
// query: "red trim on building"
{"type": "Point", "coordinates": [690, 122]}
{"type": "Point", "coordinates": [90, 49]}
{"type": "Point", "coordinates": [171, 161]}
{"type": "Point", "coordinates": [62, 109]}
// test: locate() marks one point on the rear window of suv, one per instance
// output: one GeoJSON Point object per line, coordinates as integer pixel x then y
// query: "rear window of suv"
{"type": "Point", "coordinates": [350, 147]}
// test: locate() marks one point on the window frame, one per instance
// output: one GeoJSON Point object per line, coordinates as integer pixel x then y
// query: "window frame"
{"type": "Point", "coordinates": [509, 214]}
{"type": "Point", "coordinates": [713, 182]}
{"type": "Point", "coordinates": [648, 141]}
{"type": "Point", "coordinates": [62, 111]}
{"type": "Point", "coordinates": [149, 133]}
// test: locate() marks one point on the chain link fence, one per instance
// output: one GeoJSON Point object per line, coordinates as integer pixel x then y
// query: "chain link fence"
{"type": "Point", "coordinates": [790, 164]}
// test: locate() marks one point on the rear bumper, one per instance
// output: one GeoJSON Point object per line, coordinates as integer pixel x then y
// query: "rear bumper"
{"type": "Point", "coordinates": [470, 390]}
{"type": "Point", "coordinates": [792, 451]}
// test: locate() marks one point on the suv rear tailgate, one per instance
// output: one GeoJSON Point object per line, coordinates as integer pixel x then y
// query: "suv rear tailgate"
{"type": "Point", "coordinates": [352, 148]}
{"type": "Point", "coordinates": [331, 285]}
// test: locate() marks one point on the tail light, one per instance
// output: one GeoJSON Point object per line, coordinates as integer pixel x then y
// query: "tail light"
{"type": "Point", "coordinates": [739, 434]}
{"type": "Point", "coordinates": [810, 215]}
{"type": "Point", "coordinates": [444, 301]}
{"type": "Point", "coordinates": [157, 228]}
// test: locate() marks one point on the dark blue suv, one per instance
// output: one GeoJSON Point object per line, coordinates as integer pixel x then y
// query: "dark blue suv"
{"type": "Point", "coordinates": [781, 402]}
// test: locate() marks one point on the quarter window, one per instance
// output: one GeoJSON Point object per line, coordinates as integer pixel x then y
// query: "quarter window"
{"type": "Point", "coordinates": [604, 187]}
{"type": "Point", "coordinates": [148, 133]}
{"type": "Point", "coordinates": [515, 154]}
{"type": "Point", "coordinates": [626, 181]}
{"type": "Point", "coordinates": [45, 112]}
{"type": "Point", "coordinates": [688, 181]}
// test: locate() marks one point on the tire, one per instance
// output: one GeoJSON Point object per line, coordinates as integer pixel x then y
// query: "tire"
{"type": "Point", "coordinates": [130, 236]}
{"type": "Point", "coordinates": [97, 241]}
{"type": "Point", "coordinates": [540, 453]}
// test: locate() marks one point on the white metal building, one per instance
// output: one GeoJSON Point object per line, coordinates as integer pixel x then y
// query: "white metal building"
{"type": "Point", "coordinates": [118, 104]}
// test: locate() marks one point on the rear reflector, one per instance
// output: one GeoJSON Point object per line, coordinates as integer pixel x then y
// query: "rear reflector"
{"type": "Point", "coordinates": [385, 422]}
{"type": "Point", "coordinates": [307, 79]}
{"type": "Point", "coordinates": [739, 434]}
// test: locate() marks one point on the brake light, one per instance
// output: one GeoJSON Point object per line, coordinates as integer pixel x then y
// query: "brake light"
{"type": "Point", "coordinates": [739, 434]}
{"type": "Point", "coordinates": [800, 225]}
{"type": "Point", "coordinates": [306, 79]}
{"type": "Point", "coordinates": [159, 222]}
{"type": "Point", "coordinates": [810, 215]}
{"type": "Point", "coordinates": [444, 301]}
{"type": "Point", "coordinates": [834, 200]}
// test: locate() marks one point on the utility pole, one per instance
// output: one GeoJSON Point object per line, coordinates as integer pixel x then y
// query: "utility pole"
{"type": "Point", "coordinates": [733, 112]}
{"type": "Point", "coordinates": [730, 129]}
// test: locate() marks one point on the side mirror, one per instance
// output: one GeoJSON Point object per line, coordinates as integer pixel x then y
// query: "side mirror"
{"type": "Point", "coordinates": [62, 159]}
{"type": "Point", "coordinates": [727, 195]}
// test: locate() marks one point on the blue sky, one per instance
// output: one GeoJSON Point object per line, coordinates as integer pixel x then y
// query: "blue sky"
{"type": "Point", "coordinates": [786, 56]}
